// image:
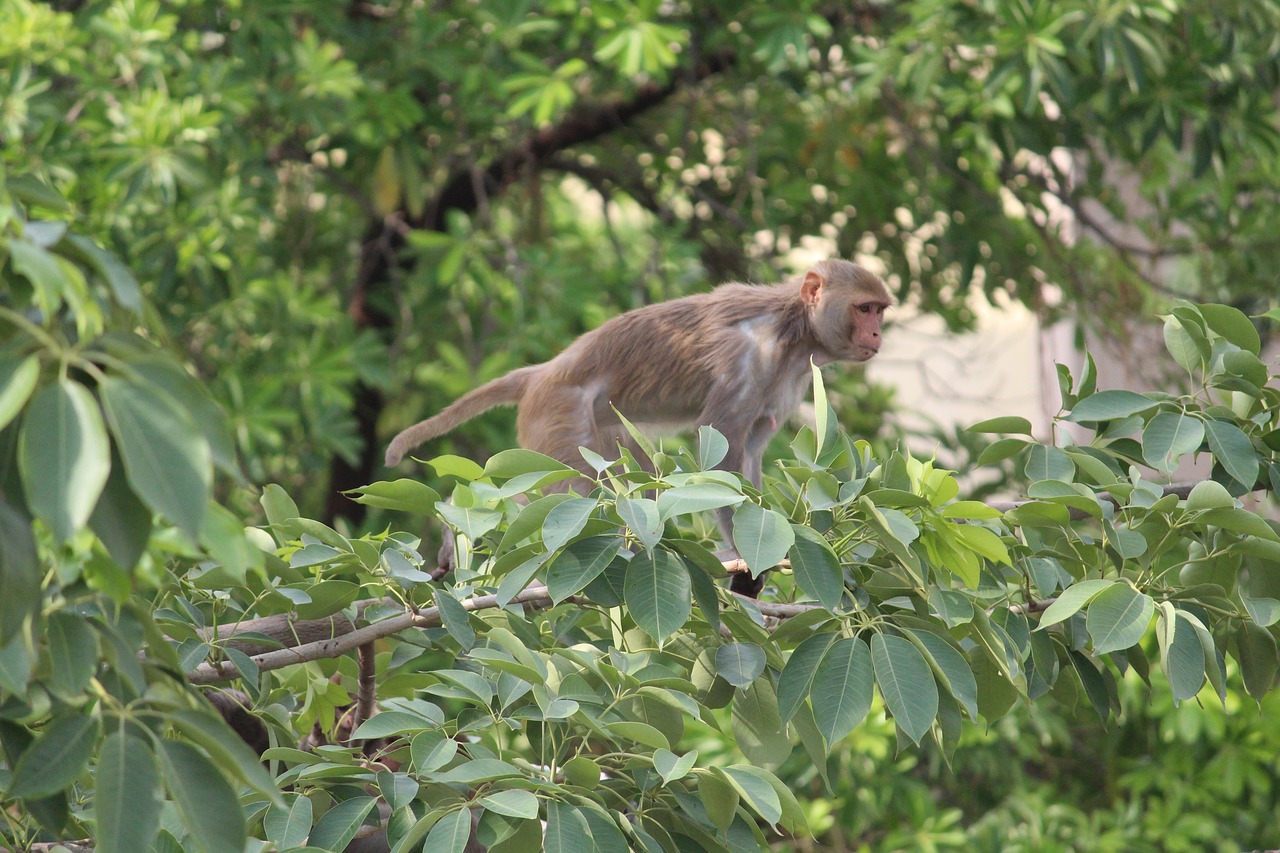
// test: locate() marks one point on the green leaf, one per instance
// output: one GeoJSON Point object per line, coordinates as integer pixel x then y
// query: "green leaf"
{"type": "Point", "coordinates": [1233, 325]}
{"type": "Point", "coordinates": [516, 462]}
{"type": "Point", "coordinates": [1208, 494]}
{"type": "Point", "coordinates": [392, 723]}
{"type": "Point", "coordinates": [472, 522]}
{"type": "Point", "coordinates": [336, 827]}
{"type": "Point", "coordinates": [289, 824]}
{"type": "Point", "coordinates": [1071, 600]}
{"type": "Point", "coordinates": [641, 516]}
{"type": "Point", "coordinates": [20, 573]}
{"type": "Point", "coordinates": [566, 831]}
{"type": "Point", "coordinates": [209, 807]}
{"type": "Point", "coordinates": [951, 667]}
{"type": "Point", "coordinates": [799, 672]}
{"type": "Point", "coordinates": [712, 448]}
{"type": "Point", "coordinates": [17, 382]}
{"type": "Point", "coordinates": [121, 520]}
{"type": "Point", "coordinates": [757, 725]}
{"type": "Point", "coordinates": [1168, 437]}
{"type": "Point", "coordinates": [566, 520]}
{"type": "Point", "coordinates": [1109, 406]}
{"type": "Point", "coordinates": [1256, 651]}
{"type": "Point", "coordinates": [277, 504]}
{"type": "Point", "coordinates": [998, 451]}
{"type": "Point", "coordinates": [1118, 617]}
{"type": "Point", "coordinates": [403, 495]}
{"type": "Point", "coordinates": [906, 683]}
{"type": "Point", "coordinates": [843, 687]}
{"type": "Point", "coordinates": [455, 618]}
{"type": "Point", "coordinates": [55, 758]}
{"type": "Point", "coordinates": [1049, 463]}
{"type": "Point", "coordinates": [755, 790]}
{"type": "Point", "coordinates": [719, 797]}
{"type": "Point", "coordinates": [512, 803]}
{"type": "Point", "coordinates": [449, 835]}
{"type": "Point", "coordinates": [73, 653]}
{"type": "Point", "coordinates": [671, 766]}
{"type": "Point", "coordinates": [658, 593]}
{"type": "Point", "coordinates": [1234, 450]}
{"type": "Point", "coordinates": [699, 497]}
{"type": "Point", "coordinates": [1186, 343]}
{"type": "Point", "coordinates": [740, 663]}
{"type": "Point", "coordinates": [579, 564]}
{"type": "Point", "coordinates": [816, 567]}
{"type": "Point", "coordinates": [64, 456]}
{"type": "Point", "coordinates": [1017, 425]}
{"type": "Point", "coordinates": [761, 536]}
{"type": "Point", "coordinates": [127, 795]}
{"type": "Point", "coordinates": [165, 455]}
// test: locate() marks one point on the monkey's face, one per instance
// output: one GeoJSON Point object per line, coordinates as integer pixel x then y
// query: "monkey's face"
{"type": "Point", "coordinates": [848, 324]}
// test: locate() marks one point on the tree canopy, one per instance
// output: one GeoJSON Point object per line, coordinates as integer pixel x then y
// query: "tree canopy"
{"type": "Point", "coordinates": [243, 244]}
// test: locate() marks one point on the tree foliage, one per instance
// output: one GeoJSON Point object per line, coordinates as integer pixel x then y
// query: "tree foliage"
{"type": "Point", "coordinates": [227, 230]}
{"type": "Point", "coordinates": [555, 685]}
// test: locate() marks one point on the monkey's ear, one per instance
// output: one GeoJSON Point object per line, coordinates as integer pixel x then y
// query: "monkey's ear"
{"type": "Point", "coordinates": [811, 287]}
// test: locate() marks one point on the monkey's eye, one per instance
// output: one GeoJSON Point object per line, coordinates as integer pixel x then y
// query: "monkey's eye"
{"type": "Point", "coordinates": [865, 309]}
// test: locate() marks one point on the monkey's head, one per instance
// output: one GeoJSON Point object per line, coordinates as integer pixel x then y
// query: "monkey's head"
{"type": "Point", "coordinates": [846, 306]}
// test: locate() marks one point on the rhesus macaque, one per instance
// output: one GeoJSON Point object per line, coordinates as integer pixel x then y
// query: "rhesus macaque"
{"type": "Point", "coordinates": [736, 359]}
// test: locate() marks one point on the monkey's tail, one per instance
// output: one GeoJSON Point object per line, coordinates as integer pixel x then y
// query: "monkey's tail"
{"type": "Point", "coordinates": [505, 390]}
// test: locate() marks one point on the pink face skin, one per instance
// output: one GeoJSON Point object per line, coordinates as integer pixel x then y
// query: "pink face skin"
{"type": "Point", "coordinates": [867, 318]}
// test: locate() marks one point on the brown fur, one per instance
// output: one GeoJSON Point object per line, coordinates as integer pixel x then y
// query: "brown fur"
{"type": "Point", "coordinates": [736, 358]}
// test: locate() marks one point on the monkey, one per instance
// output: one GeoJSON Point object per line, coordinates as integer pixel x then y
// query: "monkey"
{"type": "Point", "coordinates": [736, 358]}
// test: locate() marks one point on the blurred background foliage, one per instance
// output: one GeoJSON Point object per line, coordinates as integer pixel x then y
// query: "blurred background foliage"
{"type": "Point", "coordinates": [348, 214]}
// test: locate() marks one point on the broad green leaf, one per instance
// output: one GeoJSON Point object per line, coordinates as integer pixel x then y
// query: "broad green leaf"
{"type": "Point", "coordinates": [1049, 463]}
{"type": "Point", "coordinates": [699, 497]}
{"type": "Point", "coordinates": [951, 667]}
{"type": "Point", "coordinates": [73, 653]}
{"type": "Point", "coordinates": [1233, 449]}
{"type": "Point", "coordinates": [719, 797]}
{"type": "Point", "coordinates": [512, 803]}
{"type": "Point", "coordinates": [816, 567]}
{"type": "Point", "coordinates": [1208, 494]}
{"type": "Point", "coordinates": [641, 516]}
{"type": "Point", "coordinates": [1017, 425]}
{"type": "Point", "coordinates": [226, 748]}
{"type": "Point", "coordinates": [906, 683]}
{"type": "Point", "coordinates": [671, 766]}
{"type": "Point", "coordinates": [755, 790]}
{"type": "Point", "coordinates": [712, 448]}
{"type": "Point", "coordinates": [449, 835]}
{"type": "Point", "coordinates": [122, 520]}
{"type": "Point", "coordinates": [20, 573]}
{"type": "Point", "coordinates": [516, 461]}
{"type": "Point", "coordinates": [566, 830]}
{"type": "Point", "coordinates": [429, 750]}
{"type": "Point", "coordinates": [336, 827]}
{"type": "Point", "coordinates": [277, 504]}
{"type": "Point", "coordinates": [757, 726]}
{"type": "Point", "coordinates": [127, 796]}
{"type": "Point", "coordinates": [1233, 325]}
{"type": "Point", "coordinates": [658, 593]}
{"type": "Point", "coordinates": [1180, 655]}
{"type": "Point", "coordinates": [566, 520]}
{"type": "Point", "coordinates": [1071, 600]}
{"type": "Point", "coordinates": [739, 663]}
{"type": "Point", "coordinates": [1170, 436]}
{"type": "Point", "coordinates": [582, 770]}
{"type": "Point", "coordinates": [472, 522]}
{"type": "Point", "coordinates": [209, 807]}
{"type": "Point", "coordinates": [1186, 343]}
{"type": "Point", "coordinates": [606, 837]}
{"type": "Point", "coordinates": [64, 456]}
{"type": "Point", "coordinates": [1118, 617]}
{"type": "Point", "coordinates": [288, 825]}
{"type": "Point", "coordinates": [1001, 450]}
{"type": "Point", "coordinates": [449, 465]}
{"type": "Point", "coordinates": [455, 619]}
{"type": "Point", "coordinates": [798, 673]}
{"type": "Point", "coordinates": [165, 455]}
{"type": "Point", "coordinates": [17, 382]}
{"type": "Point", "coordinates": [403, 495]}
{"type": "Point", "coordinates": [1109, 406]}
{"type": "Point", "coordinates": [1256, 651]}
{"type": "Point", "coordinates": [843, 688]}
{"type": "Point", "coordinates": [641, 733]}
{"type": "Point", "coordinates": [579, 564]}
{"type": "Point", "coordinates": [983, 541]}
{"type": "Point", "coordinates": [55, 758]}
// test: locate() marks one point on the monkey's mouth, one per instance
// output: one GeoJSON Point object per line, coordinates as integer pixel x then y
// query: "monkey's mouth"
{"type": "Point", "coordinates": [862, 352]}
